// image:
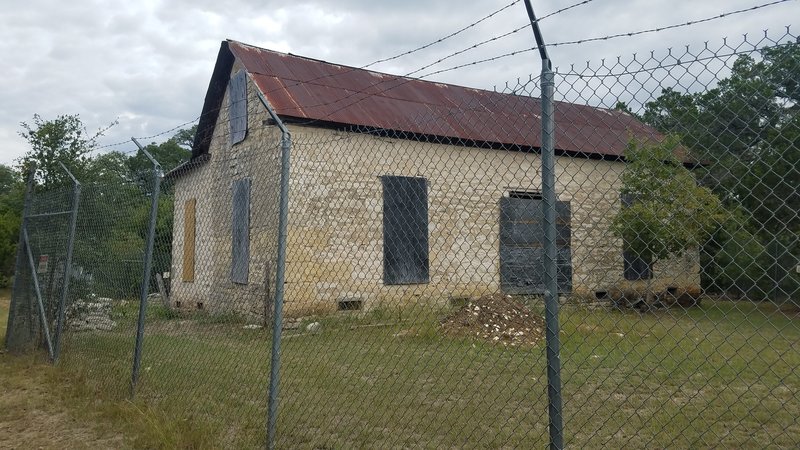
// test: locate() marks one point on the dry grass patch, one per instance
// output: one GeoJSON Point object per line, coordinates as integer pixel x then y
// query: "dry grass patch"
{"type": "Point", "coordinates": [43, 406]}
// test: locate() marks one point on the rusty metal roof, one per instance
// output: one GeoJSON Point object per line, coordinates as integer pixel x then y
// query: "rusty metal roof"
{"type": "Point", "coordinates": [322, 92]}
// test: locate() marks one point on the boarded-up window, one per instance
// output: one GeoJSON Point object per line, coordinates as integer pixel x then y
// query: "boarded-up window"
{"type": "Point", "coordinates": [634, 267]}
{"type": "Point", "coordinates": [240, 232]}
{"type": "Point", "coordinates": [522, 252]}
{"type": "Point", "coordinates": [405, 230]}
{"type": "Point", "coordinates": [237, 102]}
{"type": "Point", "coordinates": [189, 237]}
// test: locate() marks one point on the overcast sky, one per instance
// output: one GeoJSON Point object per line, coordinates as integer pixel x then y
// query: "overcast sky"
{"type": "Point", "coordinates": [147, 63]}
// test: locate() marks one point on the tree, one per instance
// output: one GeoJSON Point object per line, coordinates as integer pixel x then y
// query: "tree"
{"type": "Point", "coordinates": [670, 213]}
{"type": "Point", "coordinates": [168, 154]}
{"type": "Point", "coordinates": [11, 197]}
{"type": "Point", "coordinates": [63, 139]}
{"type": "Point", "coordinates": [185, 137]}
{"type": "Point", "coordinates": [745, 131]}
{"type": "Point", "coordinates": [114, 205]}
{"type": "Point", "coordinates": [113, 254]}
{"type": "Point", "coordinates": [622, 106]}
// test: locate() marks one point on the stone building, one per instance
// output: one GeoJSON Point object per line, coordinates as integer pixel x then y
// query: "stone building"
{"type": "Point", "coordinates": [401, 191]}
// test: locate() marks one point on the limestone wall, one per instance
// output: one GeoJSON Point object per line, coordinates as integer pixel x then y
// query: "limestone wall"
{"type": "Point", "coordinates": [335, 246]}
{"type": "Point", "coordinates": [257, 158]}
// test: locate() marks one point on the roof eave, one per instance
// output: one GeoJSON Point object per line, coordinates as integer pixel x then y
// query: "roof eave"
{"type": "Point", "coordinates": [187, 166]}
{"type": "Point", "coordinates": [213, 101]}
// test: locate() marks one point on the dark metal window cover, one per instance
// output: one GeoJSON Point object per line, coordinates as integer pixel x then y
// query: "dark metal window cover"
{"type": "Point", "coordinates": [634, 267]}
{"type": "Point", "coordinates": [237, 100]}
{"type": "Point", "coordinates": [405, 230]}
{"type": "Point", "coordinates": [522, 250]}
{"type": "Point", "coordinates": [240, 232]}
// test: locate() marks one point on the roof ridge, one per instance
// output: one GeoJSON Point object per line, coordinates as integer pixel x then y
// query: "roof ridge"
{"type": "Point", "coordinates": [376, 72]}
{"type": "Point", "coordinates": [402, 77]}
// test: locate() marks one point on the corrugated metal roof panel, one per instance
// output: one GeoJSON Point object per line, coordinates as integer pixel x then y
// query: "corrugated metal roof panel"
{"type": "Point", "coordinates": [310, 89]}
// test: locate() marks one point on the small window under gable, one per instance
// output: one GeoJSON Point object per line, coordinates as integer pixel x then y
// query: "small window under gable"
{"type": "Point", "coordinates": [237, 106]}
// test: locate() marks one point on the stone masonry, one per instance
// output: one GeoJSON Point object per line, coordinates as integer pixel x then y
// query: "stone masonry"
{"type": "Point", "coordinates": [335, 247]}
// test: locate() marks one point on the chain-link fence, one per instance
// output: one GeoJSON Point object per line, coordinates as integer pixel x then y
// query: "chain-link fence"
{"type": "Point", "coordinates": [711, 264]}
{"type": "Point", "coordinates": [396, 230]}
{"type": "Point", "coordinates": [37, 312]}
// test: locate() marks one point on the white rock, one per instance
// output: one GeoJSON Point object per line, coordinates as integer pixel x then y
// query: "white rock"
{"type": "Point", "coordinates": [314, 327]}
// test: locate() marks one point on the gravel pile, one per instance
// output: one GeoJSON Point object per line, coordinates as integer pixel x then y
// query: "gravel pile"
{"type": "Point", "coordinates": [498, 319]}
{"type": "Point", "coordinates": [91, 315]}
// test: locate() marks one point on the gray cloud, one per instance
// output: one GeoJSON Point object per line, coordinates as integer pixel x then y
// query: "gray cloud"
{"type": "Point", "coordinates": [148, 63]}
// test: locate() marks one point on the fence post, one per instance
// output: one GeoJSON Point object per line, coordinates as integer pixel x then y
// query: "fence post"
{"type": "Point", "coordinates": [38, 291]}
{"type": "Point", "coordinates": [556, 428]}
{"type": "Point", "coordinates": [550, 262]}
{"type": "Point", "coordinates": [148, 262]}
{"type": "Point", "coordinates": [280, 276]}
{"type": "Point", "coordinates": [76, 195]}
{"type": "Point", "coordinates": [12, 311]}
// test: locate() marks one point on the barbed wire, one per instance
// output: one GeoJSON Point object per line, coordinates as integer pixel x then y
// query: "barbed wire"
{"type": "Point", "coordinates": [128, 141]}
{"type": "Point", "coordinates": [481, 61]}
{"type": "Point", "coordinates": [382, 60]}
{"type": "Point", "coordinates": [422, 47]}
{"type": "Point", "coordinates": [679, 62]}
{"type": "Point", "coordinates": [381, 131]}
{"type": "Point", "coordinates": [607, 37]}
{"type": "Point", "coordinates": [517, 52]}
{"type": "Point", "coordinates": [522, 85]}
{"type": "Point", "coordinates": [442, 39]}
{"type": "Point", "coordinates": [496, 38]}
{"type": "Point", "coordinates": [451, 55]}
{"type": "Point", "coordinates": [430, 44]}
{"type": "Point", "coordinates": [668, 27]}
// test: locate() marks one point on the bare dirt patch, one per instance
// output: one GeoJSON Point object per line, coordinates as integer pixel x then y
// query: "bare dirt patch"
{"type": "Point", "coordinates": [791, 310]}
{"type": "Point", "coordinates": [34, 413]}
{"type": "Point", "coordinates": [497, 318]}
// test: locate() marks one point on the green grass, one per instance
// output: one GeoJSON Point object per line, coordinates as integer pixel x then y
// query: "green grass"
{"type": "Point", "coordinates": [725, 373]}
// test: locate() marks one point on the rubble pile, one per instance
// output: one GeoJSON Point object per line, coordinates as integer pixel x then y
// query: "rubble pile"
{"type": "Point", "coordinates": [498, 319]}
{"type": "Point", "coordinates": [94, 315]}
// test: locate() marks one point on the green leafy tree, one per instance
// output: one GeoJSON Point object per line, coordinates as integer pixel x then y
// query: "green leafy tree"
{"type": "Point", "coordinates": [670, 213]}
{"type": "Point", "coordinates": [115, 202]}
{"type": "Point", "coordinates": [745, 132]}
{"type": "Point", "coordinates": [114, 253]}
{"type": "Point", "coordinates": [60, 140]}
{"type": "Point", "coordinates": [185, 137]}
{"type": "Point", "coordinates": [11, 197]}
{"type": "Point", "coordinates": [169, 155]}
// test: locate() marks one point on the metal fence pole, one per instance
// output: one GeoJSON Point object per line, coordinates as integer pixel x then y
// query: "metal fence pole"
{"type": "Point", "coordinates": [556, 428]}
{"type": "Point", "coordinates": [12, 311]}
{"type": "Point", "coordinates": [280, 276]}
{"type": "Point", "coordinates": [148, 262]}
{"type": "Point", "coordinates": [38, 291]}
{"type": "Point", "coordinates": [76, 195]}
{"type": "Point", "coordinates": [550, 262]}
